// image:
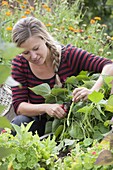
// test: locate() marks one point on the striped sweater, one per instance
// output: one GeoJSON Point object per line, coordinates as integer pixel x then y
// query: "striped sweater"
{"type": "Point", "coordinates": [73, 60]}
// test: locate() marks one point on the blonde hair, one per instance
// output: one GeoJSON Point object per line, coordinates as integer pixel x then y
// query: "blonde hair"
{"type": "Point", "coordinates": [30, 26]}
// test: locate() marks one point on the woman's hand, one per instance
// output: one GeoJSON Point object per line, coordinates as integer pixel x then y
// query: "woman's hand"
{"type": "Point", "coordinates": [80, 93]}
{"type": "Point", "coordinates": [55, 110]}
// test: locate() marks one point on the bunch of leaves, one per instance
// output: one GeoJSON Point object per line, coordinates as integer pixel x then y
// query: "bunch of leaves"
{"type": "Point", "coordinates": [25, 151]}
{"type": "Point", "coordinates": [85, 158]}
{"type": "Point", "coordinates": [85, 119]}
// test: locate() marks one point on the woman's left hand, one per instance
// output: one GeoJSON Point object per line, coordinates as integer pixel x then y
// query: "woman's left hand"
{"type": "Point", "coordinates": [80, 93]}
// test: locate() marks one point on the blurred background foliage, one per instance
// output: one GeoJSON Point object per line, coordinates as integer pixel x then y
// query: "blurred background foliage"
{"type": "Point", "coordinates": [83, 23]}
{"type": "Point", "coordinates": [101, 8]}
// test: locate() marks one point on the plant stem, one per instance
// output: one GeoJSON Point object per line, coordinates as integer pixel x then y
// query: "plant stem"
{"type": "Point", "coordinates": [69, 114]}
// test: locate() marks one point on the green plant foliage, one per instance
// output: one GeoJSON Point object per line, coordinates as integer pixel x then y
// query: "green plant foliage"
{"type": "Point", "coordinates": [2, 108]}
{"type": "Point", "coordinates": [42, 89]}
{"type": "Point", "coordinates": [25, 151]}
{"type": "Point", "coordinates": [93, 97]}
{"type": "Point", "coordinates": [5, 72]}
{"type": "Point", "coordinates": [109, 105]}
{"type": "Point", "coordinates": [5, 152]}
{"type": "Point", "coordinates": [5, 123]}
{"type": "Point", "coordinates": [85, 119]}
{"type": "Point", "coordinates": [109, 2]}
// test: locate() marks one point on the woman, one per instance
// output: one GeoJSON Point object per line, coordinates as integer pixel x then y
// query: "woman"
{"type": "Point", "coordinates": [43, 60]}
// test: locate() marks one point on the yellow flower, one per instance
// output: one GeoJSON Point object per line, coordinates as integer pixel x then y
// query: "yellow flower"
{"type": "Point", "coordinates": [92, 21]}
{"type": "Point", "coordinates": [23, 6]}
{"type": "Point", "coordinates": [48, 9]}
{"type": "Point", "coordinates": [4, 3]}
{"type": "Point", "coordinates": [25, 2]}
{"type": "Point", "coordinates": [27, 12]}
{"type": "Point", "coordinates": [97, 18]}
{"type": "Point", "coordinates": [112, 38]}
{"type": "Point", "coordinates": [48, 25]}
{"type": "Point", "coordinates": [23, 16]}
{"type": "Point", "coordinates": [44, 6]}
{"type": "Point", "coordinates": [8, 13]}
{"type": "Point", "coordinates": [74, 30]}
{"type": "Point", "coordinates": [9, 28]}
{"type": "Point", "coordinates": [71, 28]}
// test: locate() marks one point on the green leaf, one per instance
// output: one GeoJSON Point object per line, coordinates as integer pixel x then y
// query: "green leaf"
{"type": "Point", "coordinates": [82, 77]}
{"type": "Point", "coordinates": [109, 108]}
{"type": "Point", "coordinates": [89, 83]}
{"type": "Point", "coordinates": [108, 80]}
{"type": "Point", "coordinates": [97, 135]}
{"type": "Point", "coordinates": [96, 114]}
{"type": "Point", "coordinates": [71, 80]}
{"type": "Point", "coordinates": [17, 129]}
{"type": "Point", "coordinates": [95, 97]}
{"type": "Point", "coordinates": [109, 2]}
{"type": "Point", "coordinates": [100, 109]}
{"type": "Point", "coordinates": [48, 127]}
{"type": "Point", "coordinates": [59, 91]}
{"type": "Point", "coordinates": [42, 89]}
{"type": "Point", "coordinates": [2, 108]}
{"type": "Point", "coordinates": [87, 142]}
{"type": "Point", "coordinates": [50, 99]}
{"type": "Point", "coordinates": [27, 127]}
{"type": "Point", "coordinates": [76, 132]}
{"type": "Point", "coordinates": [55, 124]}
{"type": "Point", "coordinates": [5, 123]}
{"type": "Point", "coordinates": [4, 152]}
{"type": "Point", "coordinates": [69, 142]}
{"type": "Point", "coordinates": [10, 50]}
{"type": "Point", "coordinates": [95, 76]}
{"type": "Point", "coordinates": [59, 131]}
{"type": "Point", "coordinates": [86, 109]}
{"type": "Point", "coordinates": [109, 105]}
{"type": "Point", "coordinates": [4, 72]}
{"type": "Point", "coordinates": [110, 100]}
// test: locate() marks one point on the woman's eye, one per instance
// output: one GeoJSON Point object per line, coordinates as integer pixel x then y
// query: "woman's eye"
{"type": "Point", "coordinates": [26, 52]}
{"type": "Point", "coordinates": [35, 49]}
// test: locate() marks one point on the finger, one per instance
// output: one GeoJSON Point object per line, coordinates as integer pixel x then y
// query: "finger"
{"type": "Point", "coordinates": [77, 90]}
{"type": "Point", "coordinates": [79, 97]}
{"type": "Point", "coordinates": [61, 113]}
{"type": "Point", "coordinates": [81, 91]}
{"type": "Point", "coordinates": [85, 98]}
{"type": "Point", "coordinates": [58, 113]}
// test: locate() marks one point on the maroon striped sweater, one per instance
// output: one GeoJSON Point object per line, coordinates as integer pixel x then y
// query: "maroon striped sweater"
{"type": "Point", "coordinates": [73, 60]}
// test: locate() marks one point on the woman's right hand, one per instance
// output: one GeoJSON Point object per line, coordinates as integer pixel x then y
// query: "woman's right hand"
{"type": "Point", "coordinates": [55, 110]}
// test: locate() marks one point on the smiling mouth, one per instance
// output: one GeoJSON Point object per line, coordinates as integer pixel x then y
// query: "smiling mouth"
{"type": "Point", "coordinates": [37, 60]}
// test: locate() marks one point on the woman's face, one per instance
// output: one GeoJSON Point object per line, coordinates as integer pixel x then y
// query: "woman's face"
{"type": "Point", "coordinates": [36, 50]}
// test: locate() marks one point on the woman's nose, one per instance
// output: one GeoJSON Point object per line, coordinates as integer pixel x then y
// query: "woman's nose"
{"type": "Point", "coordinates": [33, 54]}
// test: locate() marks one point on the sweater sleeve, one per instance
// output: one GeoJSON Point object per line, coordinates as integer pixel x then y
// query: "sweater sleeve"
{"type": "Point", "coordinates": [19, 93]}
{"type": "Point", "coordinates": [79, 60]}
